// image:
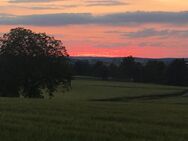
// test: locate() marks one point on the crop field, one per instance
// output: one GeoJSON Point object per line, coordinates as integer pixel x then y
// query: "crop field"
{"type": "Point", "coordinates": [99, 111]}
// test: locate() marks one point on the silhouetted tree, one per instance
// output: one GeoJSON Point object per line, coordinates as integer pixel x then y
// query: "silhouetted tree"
{"type": "Point", "coordinates": [82, 67]}
{"type": "Point", "coordinates": [130, 69]}
{"type": "Point", "coordinates": [30, 62]}
{"type": "Point", "coordinates": [154, 72]}
{"type": "Point", "coordinates": [113, 70]}
{"type": "Point", "coordinates": [138, 72]}
{"type": "Point", "coordinates": [101, 70]}
{"type": "Point", "coordinates": [177, 73]}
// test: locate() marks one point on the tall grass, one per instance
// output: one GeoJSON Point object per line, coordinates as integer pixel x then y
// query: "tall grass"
{"type": "Point", "coordinates": [80, 115]}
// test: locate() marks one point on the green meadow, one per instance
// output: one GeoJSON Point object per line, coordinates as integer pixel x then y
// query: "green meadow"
{"type": "Point", "coordinates": [98, 111]}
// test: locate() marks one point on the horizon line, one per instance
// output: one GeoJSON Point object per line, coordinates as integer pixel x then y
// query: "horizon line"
{"type": "Point", "coordinates": [93, 56]}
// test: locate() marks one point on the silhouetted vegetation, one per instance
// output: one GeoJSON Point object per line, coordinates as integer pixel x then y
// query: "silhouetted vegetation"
{"type": "Point", "coordinates": [154, 72]}
{"type": "Point", "coordinates": [130, 70]}
{"type": "Point", "coordinates": [82, 68]}
{"type": "Point", "coordinates": [31, 62]}
{"type": "Point", "coordinates": [101, 70]}
{"type": "Point", "coordinates": [175, 73]}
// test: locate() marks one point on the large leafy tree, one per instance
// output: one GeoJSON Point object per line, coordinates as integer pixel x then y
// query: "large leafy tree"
{"type": "Point", "coordinates": [30, 62]}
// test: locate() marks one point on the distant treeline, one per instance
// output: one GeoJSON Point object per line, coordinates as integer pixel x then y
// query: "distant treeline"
{"type": "Point", "coordinates": [175, 73]}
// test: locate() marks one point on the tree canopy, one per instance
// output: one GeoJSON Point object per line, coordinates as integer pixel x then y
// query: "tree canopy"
{"type": "Point", "coordinates": [30, 62]}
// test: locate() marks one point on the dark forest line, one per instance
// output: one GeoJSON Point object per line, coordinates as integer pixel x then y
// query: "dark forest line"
{"type": "Point", "coordinates": [173, 72]}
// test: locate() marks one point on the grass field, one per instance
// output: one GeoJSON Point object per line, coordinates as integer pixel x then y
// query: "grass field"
{"type": "Point", "coordinates": [98, 111]}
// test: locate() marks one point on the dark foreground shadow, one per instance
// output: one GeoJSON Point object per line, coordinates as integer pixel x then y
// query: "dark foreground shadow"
{"type": "Point", "coordinates": [144, 97]}
{"type": "Point", "coordinates": [130, 87]}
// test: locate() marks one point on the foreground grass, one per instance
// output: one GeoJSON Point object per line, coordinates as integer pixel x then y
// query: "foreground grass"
{"type": "Point", "coordinates": [89, 112]}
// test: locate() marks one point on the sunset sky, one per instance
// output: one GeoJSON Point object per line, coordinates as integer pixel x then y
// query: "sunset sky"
{"type": "Point", "coordinates": [141, 28]}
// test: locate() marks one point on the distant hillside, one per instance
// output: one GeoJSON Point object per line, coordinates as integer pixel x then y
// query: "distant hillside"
{"type": "Point", "coordinates": [117, 60]}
